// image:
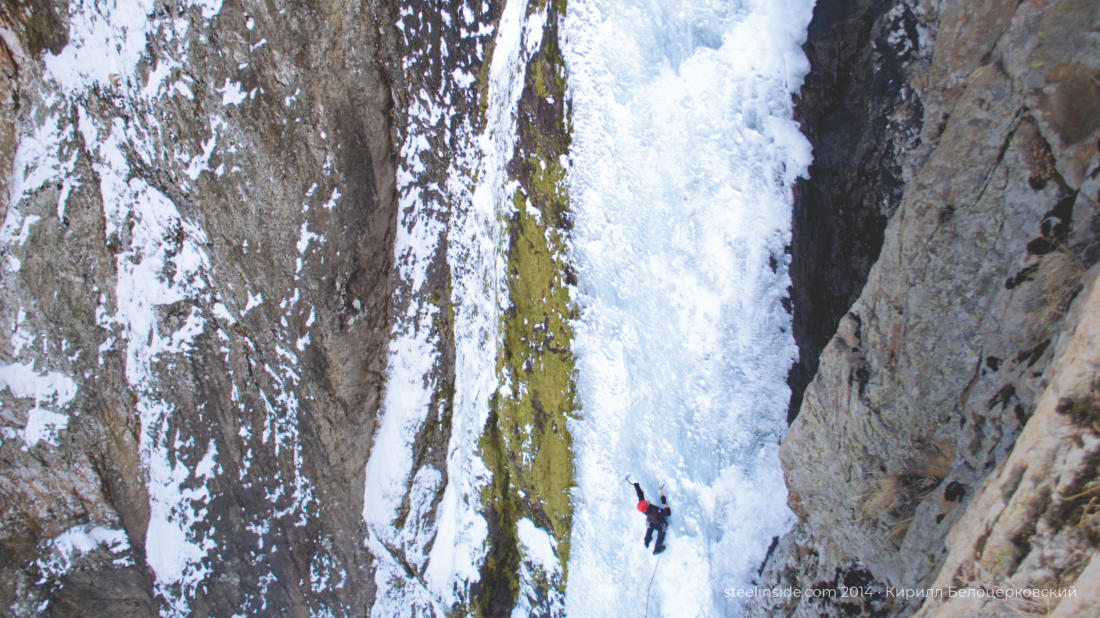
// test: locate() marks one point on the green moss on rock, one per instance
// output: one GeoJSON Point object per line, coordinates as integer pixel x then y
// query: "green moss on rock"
{"type": "Point", "coordinates": [527, 443]}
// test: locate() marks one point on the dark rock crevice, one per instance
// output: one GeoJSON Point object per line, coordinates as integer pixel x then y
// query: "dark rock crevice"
{"type": "Point", "coordinates": [860, 117]}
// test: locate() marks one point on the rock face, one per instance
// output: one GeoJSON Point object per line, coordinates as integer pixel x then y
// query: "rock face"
{"type": "Point", "coordinates": [197, 262]}
{"type": "Point", "coordinates": [905, 458]}
{"type": "Point", "coordinates": [1035, 523]}
{"type": "Point", "coordinates": [201, 280]}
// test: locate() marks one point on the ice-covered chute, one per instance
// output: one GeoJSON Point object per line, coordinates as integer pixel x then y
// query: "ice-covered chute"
{"type": "Point", "coordinates": [683, 156]}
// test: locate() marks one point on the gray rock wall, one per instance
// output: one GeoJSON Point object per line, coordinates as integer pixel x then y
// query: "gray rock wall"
{"type": "Point", "coordinates": [224, 410]}
{"type": "Point", "coordinates": [939, 364]}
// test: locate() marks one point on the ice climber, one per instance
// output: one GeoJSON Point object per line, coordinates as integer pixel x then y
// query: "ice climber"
{"type": "Point", "coordinates": [656, 518]}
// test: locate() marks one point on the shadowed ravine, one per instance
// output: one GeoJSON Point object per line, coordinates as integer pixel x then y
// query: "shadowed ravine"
{"type": "Point", "coordinates": [347, 309]}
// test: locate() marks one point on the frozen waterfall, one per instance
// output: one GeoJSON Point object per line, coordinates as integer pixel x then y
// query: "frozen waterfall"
{"type": "Point", "coordinates": [684, 153]}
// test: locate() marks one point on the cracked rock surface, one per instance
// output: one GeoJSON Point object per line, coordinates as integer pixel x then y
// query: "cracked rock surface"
{"type": "Point", "coordinates": [193, 304]}
{"type": "Point", "coordinates": [950, 363]}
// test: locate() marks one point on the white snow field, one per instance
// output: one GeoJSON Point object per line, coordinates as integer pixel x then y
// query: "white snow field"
{"type": "Point", "coordinates": [684, 153]}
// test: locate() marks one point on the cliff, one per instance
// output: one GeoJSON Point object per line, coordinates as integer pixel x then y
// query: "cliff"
{"type": "Point", "coordinates": [224, 225]}
{"type": "Point", "coordinates": [197, 263]}
{"type": "Point", "coordinates": [947, 438]}
{"type": "Point", "coordinates": [285, 309]}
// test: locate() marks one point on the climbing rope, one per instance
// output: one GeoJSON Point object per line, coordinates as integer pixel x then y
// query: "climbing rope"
{"type": "Point", "coordinates": [655, 564]}
{"type": "Point", "coordinates": [647, 588]}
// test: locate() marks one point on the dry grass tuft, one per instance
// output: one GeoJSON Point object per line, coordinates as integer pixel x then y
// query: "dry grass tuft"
{"type": "Point", "coordinates": [892, 499]}
{"type": "Point", "coordinates": [881, 498]}
{"type": "Point", "coordinates": [1059, 276]}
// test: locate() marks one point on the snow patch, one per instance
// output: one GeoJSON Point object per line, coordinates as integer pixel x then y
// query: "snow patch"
{"type": "Point", "coordinates": [253, 302]}
{"type": "Point", "coordinates": [106, 41]}
{"type": "Point", "coordinates": [231, 93]}
{"type": "Point", "coordinates": [538, 569]}
{"type": "Point", "coordinates": [62, 550]}
{"type": "Point", "coordinates": [54, 389]}
{"type": "Point", "coordinates": [38, 161]}
{"type": "Point", "coordinates": [24, 382]}
{"type": "Point", "coordinates": [538, 545]}
{"type": "Point", "coordinates": [210, 8]}
{"type": "Point", "coordinates": [43, 425]}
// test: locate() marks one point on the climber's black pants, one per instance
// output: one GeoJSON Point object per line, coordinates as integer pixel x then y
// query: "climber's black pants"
{"type": "Point", "coordinates": [660, 528]}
